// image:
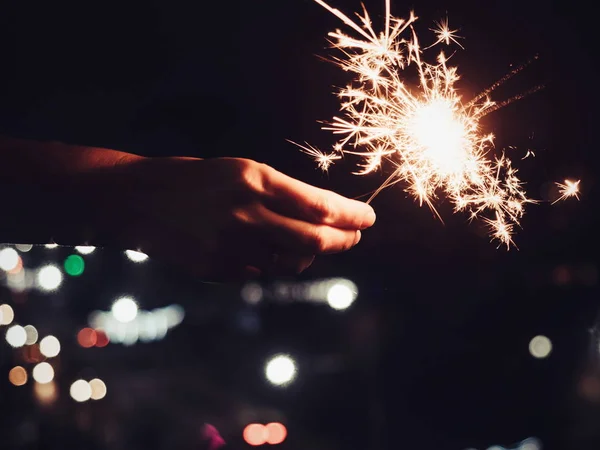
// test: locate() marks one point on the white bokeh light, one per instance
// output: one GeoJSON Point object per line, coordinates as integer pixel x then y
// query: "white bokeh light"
{"type": "Point", "coordinates": [6, 314]}
{"type": "Point", "coordinates": [51, 245]}
{"type": "Point", "coordinates": [136, 256]}
{"type": "Point", "coordinates": [16, 336]}
{"type": "Point", "coordinates": [540, 347]}
{"type": "Point", "coordinates": [9, 259]}
{"type": "Point", "coordinates": [43, 373]}
{"type": "Point", "coordinates": [85, 249]}
{"type": "Point", "coordinates": [280, 370]}
{"type": "Point", "coordinates": [124, 309]}
{"type": "Point", "coordinates": [341, 295]}
{"type": "Point", "coordinates": [24, 248]}
{"type": "Point", "coordinates": [98, 389]}
{"type": "Point", "coordinates": [49, 278]}
{"type": "Point", "coordinates": [50, 346]}
{"type": "Point", "coordinates": [80, 391]}
{"type": "Point", "coordinates": [32, 334]}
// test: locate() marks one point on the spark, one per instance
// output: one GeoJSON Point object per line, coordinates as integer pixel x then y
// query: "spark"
{"type": "Point", "coordinates": [431, 138]}
{"type": "Point", "coordinates": [323, 160]}
{"type": "Point", "coordinates": [567, 189]}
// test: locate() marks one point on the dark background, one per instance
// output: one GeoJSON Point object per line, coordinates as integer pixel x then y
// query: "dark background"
{"type": "Point", "coordinates": [435, 350]}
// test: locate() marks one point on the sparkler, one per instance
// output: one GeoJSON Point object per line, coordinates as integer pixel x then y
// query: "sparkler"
{"type": "Point", "coordinates": [568, 189]}
{"type": "Point", "coordinates": [431, 138]}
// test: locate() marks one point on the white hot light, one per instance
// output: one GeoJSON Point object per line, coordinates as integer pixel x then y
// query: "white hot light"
{"type": "Point", "coordinates": [9, 259]}
{"type": "Point", "coordinates": [341, 295]}
{"type": "Point", "coordinates": [85, 249]}
{"type": "Point", "coordinates": [49, 278]}
{"type": "Point", "coordinates": [16, 336]}
{"type": "Point", "coordinates": [124, 309]}
{"type": "Point", "coordinates": [50, 346]}
{"type": "Point", "coordinates": [280, 370]}
{"type": "Point", "coordinates": [81, 391]}
{"type": "Point", "coordinates": [136, 256]}
{"type": "Point", "coordinates": [43, 373]}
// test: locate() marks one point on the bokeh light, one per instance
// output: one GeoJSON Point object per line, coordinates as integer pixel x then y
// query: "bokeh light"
{"type": "Point", "coordinates": [540, 347]}
{"type": "Point", "coordinates": [87, 337]}
{"type": "Point", "coordinates": [124, 309]}
{"type": "Point", "coordinates": [7, 314]}
{"type": "Point", "coordinates": [341, 295]}
{"type": "Point", "coordinates": [280, 370]}
{"type": "Point", "coordinates": [49, 278]}
{"type": "Point", "coordinates": [137, 257]}
{"type": "Point", "coordinates": [98, 389]}
{"type": "Point", "coordinates": [16, 336]}
{"type": "Point", "coordinates": [24, 248]}
{"type": "Point", "coordinates": [31, 334]}
{"type": "Point", "coordinates": [74, 265]}
{"type": "Point", "coordinates": [255, 434]}
{"type": "Point", "coordinates": [43, 373]}
{"type": "Point", "coordinates": [276, 433]}
{"type": "Point", "coordinates": [51, 245]}
{"type": "Point", "coordinates": [45, 393]}
{"type": "Point", "coordinates": [102, 339]}
{"type": "Point", "coordinates": [17, 376]}
{"type": "Point", "coordinates": [50, 346]}
{"type": "Point", "coordinates": [85, 249]}
{"type": "Point", "coordinates": [9, 259]}
{"type": "Point", "coordinates": [80, 391]}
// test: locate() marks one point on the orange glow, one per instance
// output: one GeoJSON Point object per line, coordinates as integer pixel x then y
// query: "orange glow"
{"type": "Point", "coordinates": [17, 376]}
{"type": "Point", "coordinates": [101, 339]}
{"type": "Point", "coordinates": [32, 354]}
{"type": "Point", "coordinates": [18, 267]}
{"type": "Point", "coordinates": [87, 337]}
{"type": "Point", "coordinates": [255, 434]}
{"type": "Point", "coordinates": [276, 433]}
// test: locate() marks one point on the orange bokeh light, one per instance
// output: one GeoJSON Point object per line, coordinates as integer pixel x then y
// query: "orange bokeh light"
{"type": "Point", "coordinates": [255, 434]}
{"type": "Point", "coordinates": [101, 339]}
{"type": "Point", "coordinates": [87, 337]}
{"type": "Point", "coordinates": [17, 376]}
{"type": "Point", "coordinates": [276, 433]}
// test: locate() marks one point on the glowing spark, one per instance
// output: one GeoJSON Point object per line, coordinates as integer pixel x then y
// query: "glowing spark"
{"type": "Point", "coordinates": [568, 189]}
{"type": "Point", "coordinates": [324, 160]}
{"type": "Point", "coordinates": [430, 137]}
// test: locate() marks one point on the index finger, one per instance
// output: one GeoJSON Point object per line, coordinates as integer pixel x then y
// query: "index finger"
{"type": "Point", "coordinates": [316, 205]}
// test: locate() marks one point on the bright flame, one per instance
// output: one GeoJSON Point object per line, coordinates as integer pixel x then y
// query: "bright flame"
{"type": "Point", "coordinates": [427, 133]}
{"type": "Point", "coordinates": [568, 189]}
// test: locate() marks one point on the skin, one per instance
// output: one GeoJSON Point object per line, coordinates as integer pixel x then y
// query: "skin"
{"type": "Point", "coordinates": [220, 219]}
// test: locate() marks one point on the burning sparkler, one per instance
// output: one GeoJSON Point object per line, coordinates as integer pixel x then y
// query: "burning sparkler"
{"type": "Point", "coordinates": [568, 189]}
{"type": "Point", "coordinates": [427, 133]}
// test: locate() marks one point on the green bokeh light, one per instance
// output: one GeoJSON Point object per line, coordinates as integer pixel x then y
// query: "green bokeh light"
{"type": "Point", "coordinates": [74, 265]}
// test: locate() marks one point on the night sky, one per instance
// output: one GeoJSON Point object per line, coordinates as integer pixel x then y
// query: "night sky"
{"type": "Point", "coordinates": [436, 347]}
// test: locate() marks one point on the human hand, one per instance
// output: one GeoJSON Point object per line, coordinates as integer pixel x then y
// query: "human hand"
{"type": "Point", "coordinates": [229, 218]}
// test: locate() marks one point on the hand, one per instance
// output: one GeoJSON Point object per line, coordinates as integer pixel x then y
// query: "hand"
{"type": "Point", "coordinates": [229, 218]}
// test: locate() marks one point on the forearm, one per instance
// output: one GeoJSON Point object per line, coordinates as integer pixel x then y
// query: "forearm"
{"type": "Point", "coordinates": [54, 191]}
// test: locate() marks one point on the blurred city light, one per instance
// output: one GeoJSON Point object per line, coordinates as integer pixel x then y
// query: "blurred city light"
{"type": "Point", "coordinates": [341, 294]}
{"type": "Point", "coordinates": [136, 256]}
{"type": "Point", "coordinates": [147, 326]}
{"type": "Point", "coordinates": [50, 346]}
{"type": "Point", "coordinates": [252, 293]}
{"type": "Point", "coordinates": [17, 376]}
{"type": "Point", "coordinates": [49, 278]}
{"type": "Point", "coordinates": [7, 314]}
{"type": "Point", "coordinates": [98, 389]}
{"type": "Point", "coordinates": [280, 370]}
{"type": "Point", "coordinates": [31, 334]}
{"type": "Point", "coordinates": [16, 336]}
{"type": "Point", "coordinates": [124, 309]}
{"type": "Point", "coordinates": [43, 373]}
{"type": "Point", "coordinates": [9, 259]}
{"type": "Point", "coordinates": [85, 249]}
{"type": "Point", "coordinates": [540, 347]}
{"type": "Point", "coordinates": [45, 393]}
{"type": "Point", "coordinates": [255, 434]}
{"type": "Point", "coordinates": [87, 337]}
{"type": "Point", "coordinates": [80, 391]}
{"type": "Point", "coordinates": [276, 433]}
{"type": "Point", "coordinates": [74, 265]}
{"type": "Point", "coordinates": [24, 248]}
{"type": "Point", "coordinates": [51, 245]}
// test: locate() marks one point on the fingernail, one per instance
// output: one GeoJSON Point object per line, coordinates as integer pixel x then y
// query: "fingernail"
{"type": "Point", "coordinates": [357, 238]}
{"type": "Point", "coordinates": [369, 219]}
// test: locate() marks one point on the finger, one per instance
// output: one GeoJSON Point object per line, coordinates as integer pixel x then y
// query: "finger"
{"type": "Point", "coordinates": [302, 237]}
{"type": "Point", "coordinates": [306, 202]}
